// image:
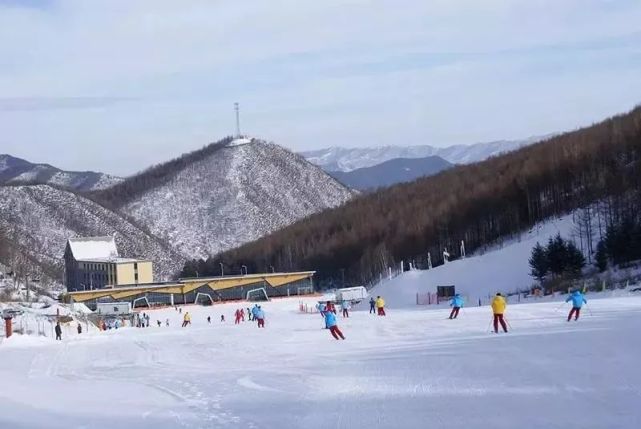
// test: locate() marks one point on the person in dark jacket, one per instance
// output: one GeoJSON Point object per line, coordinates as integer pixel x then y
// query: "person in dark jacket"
{"type": "Point", "coordinates": [58, 331]}
{"type": "Point", "coordinates": [79, 328]}
{"type": "Point", "coordinates": [372, 305]}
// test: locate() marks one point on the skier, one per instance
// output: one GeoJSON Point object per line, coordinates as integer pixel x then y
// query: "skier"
{"type": "Point", "coordinates": [578, 300]}
{"type": "Point", "coordinates": [186, 319]}
{"type": "Point", "coordinates": [380, 304]}
{"type": "Point", "coordinates": [209, 319]}
{"type": "Point", "coordinates": [159, 323]}
{"type": "Point", "coordinates": [167, 322]}
{"type": "Point", "coordinates": [237, 321]}
{"type": "Point", "coordinates": [242, 314]}
{"type": "Point", "coordinates": [456, 303]}
{"type": "Point", "coordinates": [147, 318]}
{"type": "Point", "coordinates": [254, 311]}
{"type": "Point", "coordinates": [222, 318]}
{"type": "Point", "coordinates": [260, 316]}
{"type": "Point", "coordinates": [58, 331]}
{"type": "Point", "coordinates": [330, 321]}
{"type": "Point", "coordinates": [345, 308]}
{"type": "Point", "coordinates": [79, 328]}
{"type": "Point", "coordinates": [249, 315]}
{"type": "Point", "coordinates": [372, 306]}
{"type": "Point", "coordinates": [498, 308]}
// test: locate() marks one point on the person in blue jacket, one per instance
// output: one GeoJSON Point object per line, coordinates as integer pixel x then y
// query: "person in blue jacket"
{"type": "Point", "coordinates": [260, 317]}
{"type": "Point", "coordinates": [330, 321]}
{"type": "Point", "coordinates": [456, 303]}
{"type": "Point", "coordinates": [578, 300]}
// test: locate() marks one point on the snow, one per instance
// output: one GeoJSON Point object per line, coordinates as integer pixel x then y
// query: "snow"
{"type": "Point", "coordinates": [88, 248]}
{"type": "Point", "coordinates": [501, 269]}
{"type": "Point", "coordinates": [239, 142]}
{"type": "Point", "coordinates": [408, 369]}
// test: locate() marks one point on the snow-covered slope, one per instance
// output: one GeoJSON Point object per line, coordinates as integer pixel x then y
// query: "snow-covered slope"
{"type": "Point", "coordinates": [411, 369]}
{"type": "Point", "coordinates": [233, 195]}
{"type": "Point", "coordinates": [41, 219]}
{"type": "Point", "coordinates": [500, 269]}
{"type": "Point", "coordinates": [348, 159]}
{"type": "Point", "coordinates": [16, 170]}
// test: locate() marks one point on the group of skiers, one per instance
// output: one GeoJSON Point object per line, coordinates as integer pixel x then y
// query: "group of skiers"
{"type": "Point", "coordinates": [499, 305]}
{"type": "Point", "coordinates": [256, 314]}
{"type": "Point", "coordinates": [377, 306]}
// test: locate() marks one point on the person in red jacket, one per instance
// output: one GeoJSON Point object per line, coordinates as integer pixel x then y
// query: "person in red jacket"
{"type": "Point", "coordinates": [237, 321]}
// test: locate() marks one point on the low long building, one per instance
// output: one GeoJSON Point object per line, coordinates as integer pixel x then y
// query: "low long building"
{"type": "Point", "coordinates": [202, 290]}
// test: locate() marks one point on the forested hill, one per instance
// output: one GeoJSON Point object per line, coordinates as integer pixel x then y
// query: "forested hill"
{"type": "Point", "coordinates": [478, 203]}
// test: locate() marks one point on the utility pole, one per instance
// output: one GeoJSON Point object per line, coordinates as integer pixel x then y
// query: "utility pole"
{"type": "Point", "coordinates": [237, 109]}
{"type": "Point", "coordinates": [222, 273]}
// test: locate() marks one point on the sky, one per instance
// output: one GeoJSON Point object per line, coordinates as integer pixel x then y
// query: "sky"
{"type": "Point", "coordinates": [118, 85]}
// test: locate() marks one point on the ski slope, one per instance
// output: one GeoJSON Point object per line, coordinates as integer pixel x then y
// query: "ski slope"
{"type": "Point", "coordinates": [411, 369]}
{"type": "Point", "coordinates": [503, 268]}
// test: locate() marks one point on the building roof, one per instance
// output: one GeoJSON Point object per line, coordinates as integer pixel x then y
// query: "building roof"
{"type": "Point", "coordinates": [88, 248]}
{"type": "Point", "coordinates": [114, 260]}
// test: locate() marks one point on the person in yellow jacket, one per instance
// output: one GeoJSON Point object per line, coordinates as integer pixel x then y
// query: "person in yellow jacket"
{"type": "Point", "coordinates": [380, 305]}
{"type": "Point", "coordinates": [186, 319]}
{"type": "Point", "coordinates": [498, 308]}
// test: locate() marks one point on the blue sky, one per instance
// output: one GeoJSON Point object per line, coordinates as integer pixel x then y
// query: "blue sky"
{"type": "Point", "coordinates": [118, 85]}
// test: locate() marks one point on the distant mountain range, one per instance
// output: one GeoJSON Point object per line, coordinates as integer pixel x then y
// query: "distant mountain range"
{"type": "Point", "coordinates": [398, 170]}
{"type": "Point", "coordinates": [17, 170]}
{"type": "Point", "coordinates": [348, 159]}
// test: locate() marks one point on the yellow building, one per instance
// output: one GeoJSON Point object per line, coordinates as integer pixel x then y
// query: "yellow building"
{"type": "Point", "coordinates": [93, 263]}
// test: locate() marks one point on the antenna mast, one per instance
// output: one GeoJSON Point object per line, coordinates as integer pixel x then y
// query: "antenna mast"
{"type": "Point", "coordinates": [237, 109]}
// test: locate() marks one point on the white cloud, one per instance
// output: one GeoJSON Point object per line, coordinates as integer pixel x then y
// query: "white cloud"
{"type": "Point", "coordinates": [91, 77]}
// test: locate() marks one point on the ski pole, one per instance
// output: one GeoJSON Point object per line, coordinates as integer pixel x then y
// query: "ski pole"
{"type": "Point", "coordinates": [559, 307]}
{"type": "Point", "coordinates": [508, 323]}
{"type": "Point", "coordinates": [589, 309]}
{"type": "Point", "coordinates": [489, 325]}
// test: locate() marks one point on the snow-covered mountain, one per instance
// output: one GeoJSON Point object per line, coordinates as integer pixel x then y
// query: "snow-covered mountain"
{"type": "Point", "coordinates": [17, 170]}
{"type": "Point", "coordinates": [226, 194]}
{"type": "Point", "coordinates": [37, 220]}
{"type": "Point", "coordinates": [348, 159]}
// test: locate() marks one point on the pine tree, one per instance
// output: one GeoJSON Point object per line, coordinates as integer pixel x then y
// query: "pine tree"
{"type": "Point", "coordinates": [601, 257]}
{"type": "Point", "coordinates": [574, 259]}
{"type": "Point", "coordinates": [557, 255]}
{"type": "Point", "coordinates": [539, 263]}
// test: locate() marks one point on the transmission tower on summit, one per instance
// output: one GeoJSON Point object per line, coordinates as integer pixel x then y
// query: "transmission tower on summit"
{"type": "Point", "coordinates": [237, 109]}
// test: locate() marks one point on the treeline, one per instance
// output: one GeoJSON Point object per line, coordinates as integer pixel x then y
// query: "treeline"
{"type": "Point", "coordinates": [621, 244]}
{"type": "Point", "coordinates": [477, 204]}
{"type": "Point", "coordinates": [157, 175]}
